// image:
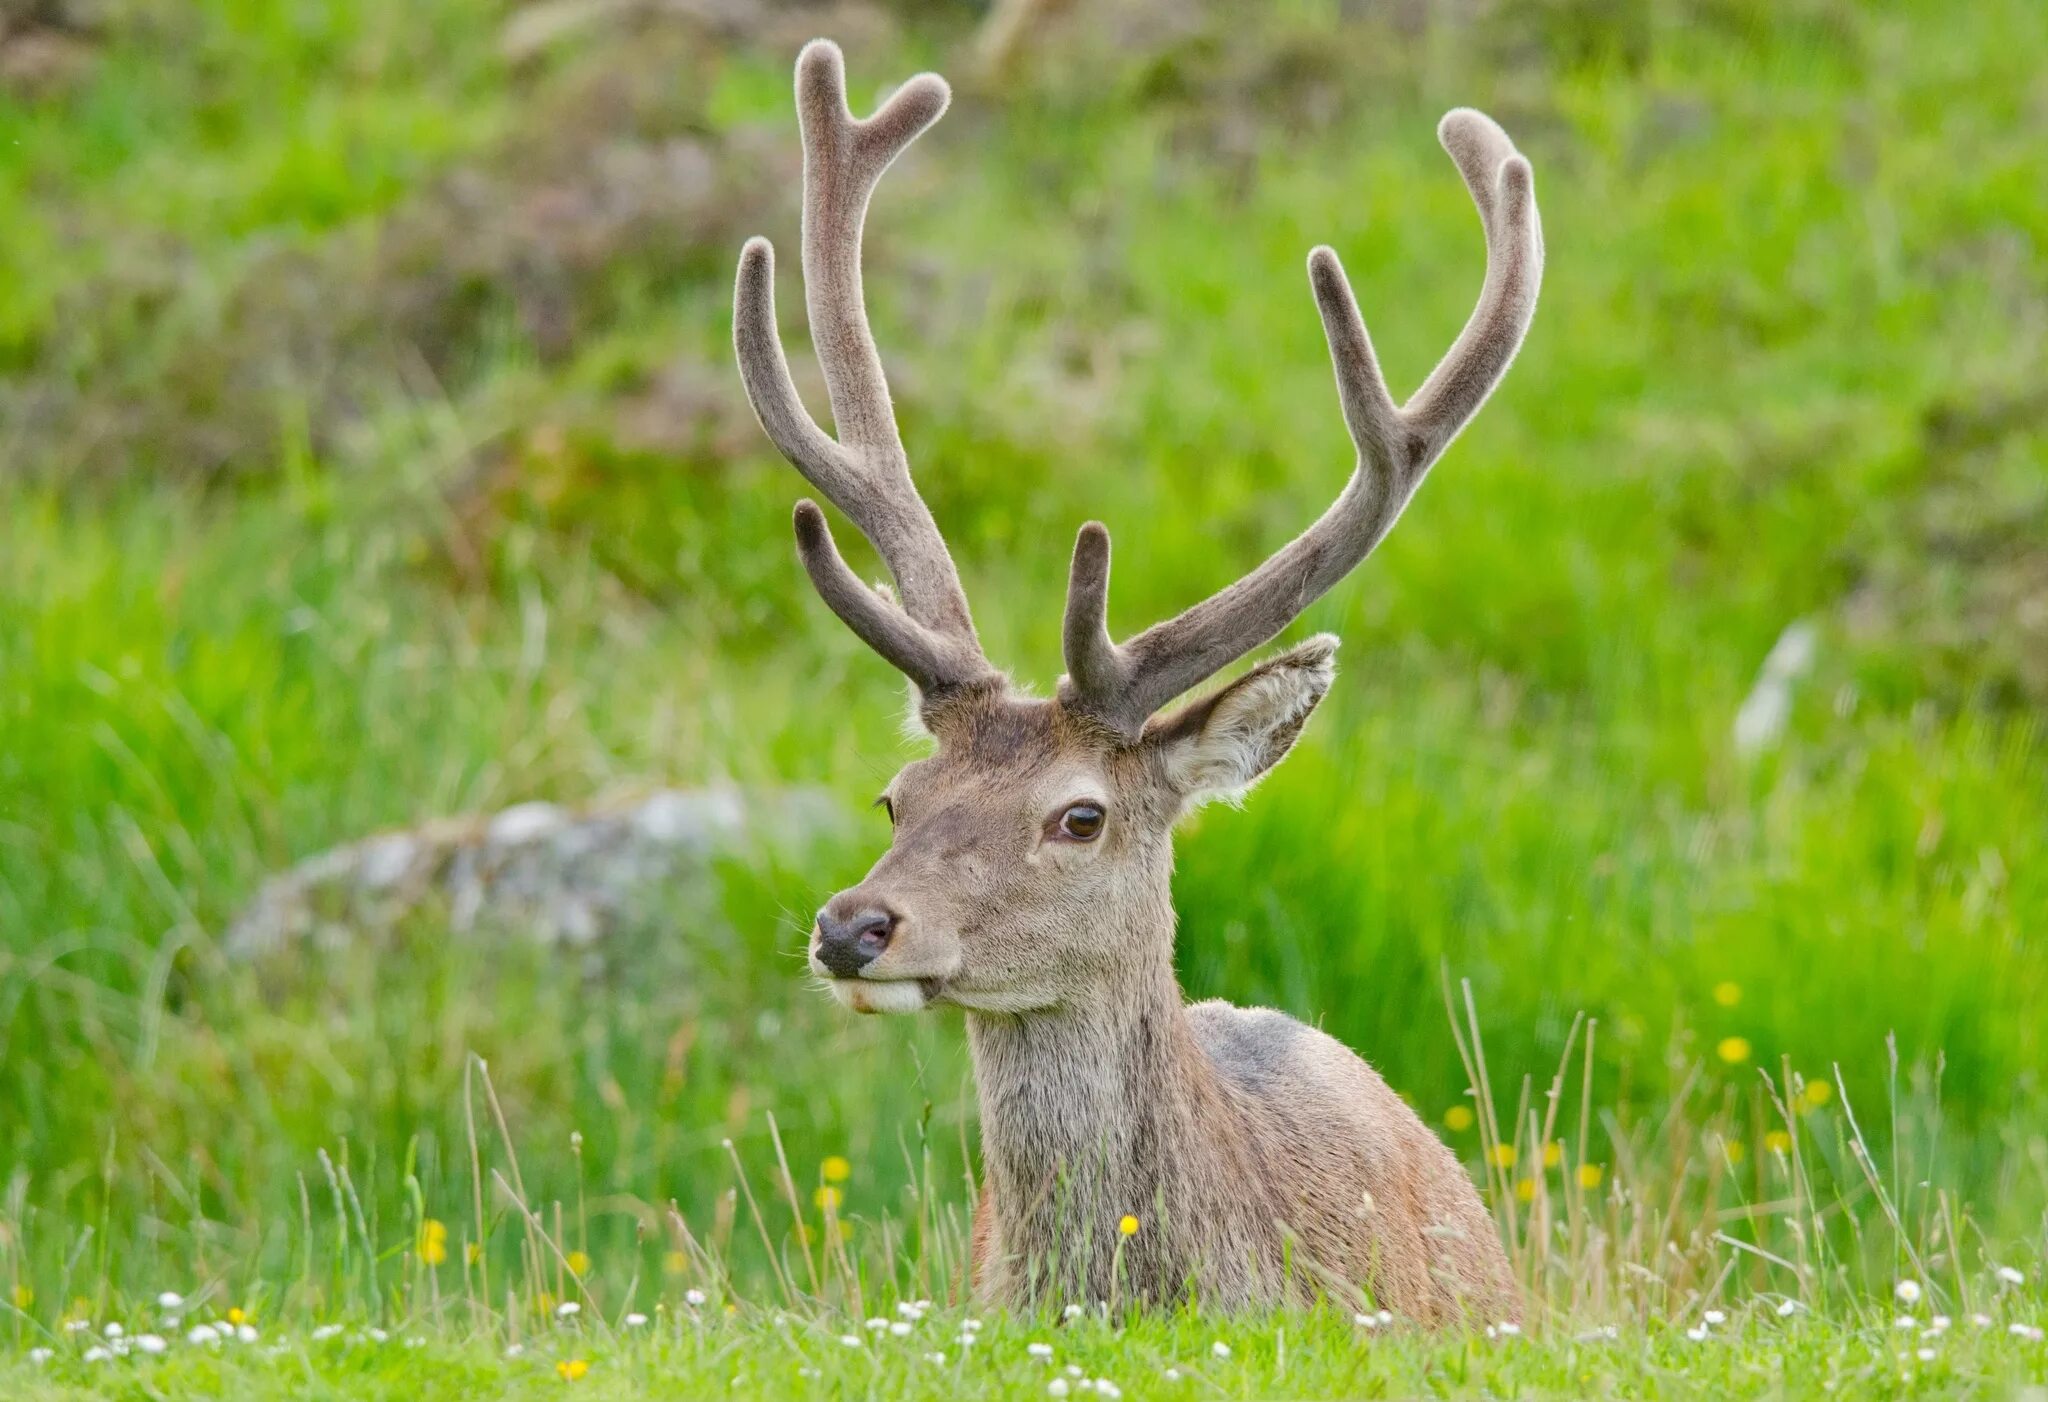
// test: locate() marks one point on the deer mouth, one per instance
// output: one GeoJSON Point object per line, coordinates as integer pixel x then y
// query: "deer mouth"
{"type": "Point", "coordinates": [896, 995]}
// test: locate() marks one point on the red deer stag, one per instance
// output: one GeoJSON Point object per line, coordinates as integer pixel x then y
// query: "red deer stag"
{"type": "Point", "coordinates": [1027, 881]}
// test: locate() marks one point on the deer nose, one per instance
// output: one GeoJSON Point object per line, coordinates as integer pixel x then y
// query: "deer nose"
{"type": "Point", "coordinates": [845, 947]}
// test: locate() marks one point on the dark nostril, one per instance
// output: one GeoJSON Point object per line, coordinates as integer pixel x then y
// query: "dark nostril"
{"type": "Point", "coordinates": [847, 946]}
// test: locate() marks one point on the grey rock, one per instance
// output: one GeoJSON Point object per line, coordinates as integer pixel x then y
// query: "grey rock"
{"type": "Point", "coordinates": [559, 876]}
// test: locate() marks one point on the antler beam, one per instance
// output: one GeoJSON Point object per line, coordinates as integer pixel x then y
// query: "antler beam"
{"type": "Point", "coordinates": [864, 472]}
{"type": "Point", "coordinates": [1121, 686]}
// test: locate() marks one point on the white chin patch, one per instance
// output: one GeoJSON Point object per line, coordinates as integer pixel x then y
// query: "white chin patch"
{"type": "Point", "coordinates": [896, 996]}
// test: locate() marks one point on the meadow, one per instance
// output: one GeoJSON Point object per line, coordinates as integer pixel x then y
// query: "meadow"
{"type": "Point", "coordinates": [371, 451]}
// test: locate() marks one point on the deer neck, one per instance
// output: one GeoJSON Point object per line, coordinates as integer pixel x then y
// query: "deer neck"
{"type": "Point", "coordinates": [1086, 1113]}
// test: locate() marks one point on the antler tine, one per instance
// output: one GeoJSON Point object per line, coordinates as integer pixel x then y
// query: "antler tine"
{"type": "Point", "coordinates": [864, 472]}
{"type": "Point", "coordinates": [1121, 686]}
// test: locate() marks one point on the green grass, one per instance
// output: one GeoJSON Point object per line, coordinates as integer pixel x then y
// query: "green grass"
{"type": "Point", "coordinates": [685, 1356]}
{"type": "Point", "coordinates": [333, 496]}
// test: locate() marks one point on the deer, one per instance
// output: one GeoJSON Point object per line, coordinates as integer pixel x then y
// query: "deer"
{"type": "Point", "coordinates": [1134, 1146]}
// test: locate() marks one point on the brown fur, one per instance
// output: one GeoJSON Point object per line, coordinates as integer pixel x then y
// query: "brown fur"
{"type": "Point", "coordinates": [1264, 1161]}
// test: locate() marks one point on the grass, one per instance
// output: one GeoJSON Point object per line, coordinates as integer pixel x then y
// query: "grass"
{"type": "Point", "coordinates": [687, 1356]}
{"type": "Point", "coordinates": [334, 496]}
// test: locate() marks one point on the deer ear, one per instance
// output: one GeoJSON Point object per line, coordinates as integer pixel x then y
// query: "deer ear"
{"type": "Point", "coordinates": [1219, 745]}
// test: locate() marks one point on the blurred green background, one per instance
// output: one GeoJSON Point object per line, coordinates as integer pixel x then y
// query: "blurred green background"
{"type": "Point", "coordinates": [371, 451]}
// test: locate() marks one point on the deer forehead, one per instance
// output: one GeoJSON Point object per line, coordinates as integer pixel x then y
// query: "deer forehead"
{"type": "Point", "coordinates": [1011, 752]}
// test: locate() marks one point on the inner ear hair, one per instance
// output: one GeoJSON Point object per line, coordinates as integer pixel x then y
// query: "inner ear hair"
{"type": "Point", "coordinates": [1220, 745]}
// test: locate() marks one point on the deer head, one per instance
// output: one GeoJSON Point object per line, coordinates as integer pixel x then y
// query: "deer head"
{"type": "Point", "coordinates": [1032, 849]}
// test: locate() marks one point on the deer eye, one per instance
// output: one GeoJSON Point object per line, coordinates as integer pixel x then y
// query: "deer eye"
{"type": "Point", "coordinates": [1082, 822]}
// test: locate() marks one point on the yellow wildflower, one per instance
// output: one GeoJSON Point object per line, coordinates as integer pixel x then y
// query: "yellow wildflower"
{"type": "Point", "coordinates": [675, 1263]}
{"type": "Point", "coordinates": [1525, 1189]}
{"type": "Point", "coordinates": [1733, 1050]}
{"type": "Point", "coordinates": [1590, 1175]}
{"type": "Point", "coordinates": [1553, 1154]}
{"type": "Point", "coordinates": [1778, 1142]}
{"type": "Point", "coordinates": [828, 1198]}
{"type": "Point", "coordinates": [1727, 993]}
{"type": "Point", "coordinates": [835, 1169]}
{"type": "Point", "coordinates": [433, 1242]}
{"type": "Point", "coordinates": [472, 1252]}
{"type": "Point", "coordinates": [1735, 1149]}
{"type": "Point", "coordinates": [1458, 1117]}
{"type": "Point", "coordinates": [579, 1263]}
{"type": "Point", "coordinates": [23, 1297]}
{"type": "Point", "coordinates": [572, 1369]}
{"type": "Point", "coordinates": [236, 1315]}
{"type": "Point", "coordinates": [1819, 1093]}
{"type": "Point", "coordinates": [1128, 1226]}
{"type": "Point", "coordinates": [1504, 1155]}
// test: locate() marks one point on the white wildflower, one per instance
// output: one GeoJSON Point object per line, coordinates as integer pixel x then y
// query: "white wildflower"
{"type": "Point", "coordinates": [76, 1326]}
{"type": "Point", "coordinates": [325, 1332]}
{"type": "Point", "coordinates": [2010, 1275]}
{"type": "Point", "coordinates": [1386, 1317]}
{"type": "Point", "coordinates": [1172, 1375]}
{"type": "Point", "coordinates": [850, 1340]}
{"type": "Point", "coordinates": [568, 1309]}
{"type": "Point", "coordinates": [1716, 1317]}
{"type": "Point", "coordinates": [2028, 1332]}
{"type": "Point", "coordinates": [151, 1343]}
{"type": "Point", "coordinates": [1787, 1308]}
{"type": "Point", "coordinates": [1057, 1387]}
{"type": "Point", "coordinates": [96, 1354]}
{"type": "Point", "coordinates": [1697, 1333]}
{"type": "Point", "coordinates": [1509, 1329]}
{"type": "Point", "coordinates": [1366, 1321]}
{"type": "Point", "coordinates": [1075, 1311]}
{"type": "Point", "coordinates": [1939, 1324]}
{"type": "Point", "coordinates": [1039, 1350]}
{"type": "Point", "coordinates": [171, 1300]}
{"type": "Point", "coordinates": [693, 1297]}
{"type": "Point", "coordinates": [912, 1310]}
{"type": "Point", "coordinates": [1105, 1388]}
{"type": "Point", "coordinates": [876, 1326]}
{"type": "Point", "coordinates": [514, 1350]}
{"type": "Point", "coordinates": [937, 1360]}
{"type": "Point", "coordinates": [1905, 1321]}
{"type": "Point", "coordinates": [246, 1333]}
{"type": "Point", "coordinates": [40, 1356]}
{"type": "Point", "coordinates": [202, 1334]}
{"type": "Point", "coordinates": [635, 1320]}
{"type": "Point", "coordinates": [1908, 1292]}
{"type": "Point", "coordinates": [1220, 1349]}
{"type": "Point", "coordinates": [114, 1331]}
{"type": "Point", "coordinates": [1927, 1355]}
{"type": "Point", "coordinates": [970, 1324]}
{"type": "Point", "coordinates": [1980, 1321]}
{"type": "Point", "coordinates": [375, 1336]}
{"type": "Point", "coordinates": [901, 1328]}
